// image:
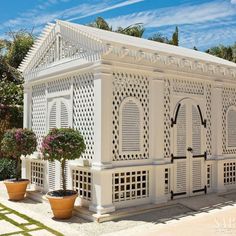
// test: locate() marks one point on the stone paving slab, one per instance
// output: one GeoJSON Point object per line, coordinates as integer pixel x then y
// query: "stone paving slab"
{"type": "Point", "coordinates": [41, 232]}
{"type": "Point", "coordinates": [17, 218]}
{"type": "Point", "coordinates": [7, 227]}
{"type": "Point", "coordinates": [30, 227]}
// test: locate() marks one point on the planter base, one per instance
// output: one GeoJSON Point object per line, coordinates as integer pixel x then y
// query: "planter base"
{"type": "Point", "coordinates": [16, 189]}
{"type": "Point", "coordinates": [62, 207]}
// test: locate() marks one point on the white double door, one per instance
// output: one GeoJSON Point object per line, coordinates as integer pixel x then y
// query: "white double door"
{"type": "Point", "coordinates": [189, 150]}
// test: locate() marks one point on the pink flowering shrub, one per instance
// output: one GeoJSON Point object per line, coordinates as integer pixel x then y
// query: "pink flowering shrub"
{"type": "Point", "coordinates": [63, 144]}
{"type": "Point", "coordinates": [17, 142]}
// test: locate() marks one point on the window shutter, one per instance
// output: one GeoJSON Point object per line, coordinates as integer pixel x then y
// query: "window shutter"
{"type": "Point", "coordinates": [231, 128]}
{"type": "Point", "coordinates": [181, 131]}
{"type": "Point", "coordinates": [53, 116]}
{"type": "Point", "coordinates": [64, 116]}
{"type": "Point", "coordinates": [131, 126]}
{"type": "Point", "coordinates": [196, 131]}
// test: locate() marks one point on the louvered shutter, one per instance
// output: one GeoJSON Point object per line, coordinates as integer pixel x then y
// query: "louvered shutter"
{"type": "Point", "coordinates": [131, 126]}
{"type": "Point", "coordinates": [231, 128]}
{"type": "Point", "coordinates": [64, 116]}
{"type": "Point", "coordinates": [181, 131]}
{"type": "Point", "coordinates": [196, 131]}
{"type": "Point", "coordinates": [53, 116]}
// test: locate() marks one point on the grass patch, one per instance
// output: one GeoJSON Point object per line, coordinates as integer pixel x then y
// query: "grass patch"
{"type": "Point", "coordinates": [24, 230]}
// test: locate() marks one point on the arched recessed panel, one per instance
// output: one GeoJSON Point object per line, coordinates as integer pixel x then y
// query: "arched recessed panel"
{"type": "Point", "coordinates": [131, 125]}
{"type": "Point", "coordinates": [231, 127]}
{"type": "Point", "coordinates": [64, 116]}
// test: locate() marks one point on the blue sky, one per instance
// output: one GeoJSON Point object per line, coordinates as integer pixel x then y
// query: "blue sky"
{"type": "Point", "coordinates": [201, 23]}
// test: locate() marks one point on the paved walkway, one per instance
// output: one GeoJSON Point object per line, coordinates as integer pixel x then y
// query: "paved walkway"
{"type": "Point", "coordinates": [14, 223]}
{"type": "Point", "coordinates": [202, 215]}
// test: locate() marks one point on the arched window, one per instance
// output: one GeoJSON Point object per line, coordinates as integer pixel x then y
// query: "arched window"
{"type": "Point", "coordinates": [131, 126]}
{"type": "Point", "coordinates": [58, 116]}
{"type": "Point", "coordinates": [231, 127]}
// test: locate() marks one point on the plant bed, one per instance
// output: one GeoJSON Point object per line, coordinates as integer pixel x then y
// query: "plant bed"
{"type": "Point", "coordinates": [17, 142]}
{"type": "Point", "coordinates": [62, 144]}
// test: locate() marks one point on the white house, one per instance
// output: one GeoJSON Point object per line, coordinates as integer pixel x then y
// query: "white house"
{"type": "Point", "coordinates": [159, 121]}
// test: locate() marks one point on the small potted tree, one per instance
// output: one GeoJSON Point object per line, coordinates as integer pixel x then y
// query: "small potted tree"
{"type": "Point", "coordinates": [17, 142]}
{"type": "Point", "coordinates": [62, 144]}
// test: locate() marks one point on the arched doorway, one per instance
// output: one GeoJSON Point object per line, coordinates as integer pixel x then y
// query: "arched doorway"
{"type": "Point", "coordinates": [189, 151]}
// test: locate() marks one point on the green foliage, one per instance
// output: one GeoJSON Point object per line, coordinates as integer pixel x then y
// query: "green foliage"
{"type": "Point", "coordinates": [136, 30]}
{"type": "Point", "coordinates": [175, 37]}
{"type": "Point", "coordinates": [17, 142]}
{"type": "Point", "coordinates": [227, 53]}
{"type": "Point", "coordinates": [7, 168]}
{"type": "Point", "coordinates": [63, 144]}
{"type": "Point", "coordinates": [158, 37]}
{"type": "Point", "coordinates": [100, 23]}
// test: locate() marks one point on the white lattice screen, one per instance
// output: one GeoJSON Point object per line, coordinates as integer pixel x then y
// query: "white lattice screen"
{"type": "Point", "coordinates": [229, 99]}
{"type": "Point", "coordinates": [83, 111]}
{"type": "Point", "coordinates": [167, 181]}
{"type": "Point", "coordinates": [229, 173]}
{"type": "Point", "coordinates": [167, 119]}
{"type": "Point", "coordinates": [82, 183]}
{"type": "Point", "coordinates": [39, 104]}
{"type": "Point", "coordinates": [59, 85]}
{"type": "Point", "coordinates": [208, 92]}
{"type": "Point", "coordinates": [136, 86]}
{"type": "Point", "coordinates": [130, 185]}
{"type": "Point", "coordinates": [37, 173]}
{"type": "Point", "coordinates": [188, 86]}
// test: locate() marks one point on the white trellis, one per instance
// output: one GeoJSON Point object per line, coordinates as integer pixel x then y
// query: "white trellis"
{"type": "Point", "coordinates": [158, 121]}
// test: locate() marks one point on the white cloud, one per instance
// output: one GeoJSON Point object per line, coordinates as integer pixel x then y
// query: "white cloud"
{"type": "Point", "coordinates": [183, 14]}
{"type": "Point", "coordinates": [233, 1]}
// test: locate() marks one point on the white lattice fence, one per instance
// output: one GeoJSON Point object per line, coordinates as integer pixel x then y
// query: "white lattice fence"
{"type": "Point", "coordinates": [37, 173]}
{"type": "Point", "coordinates": [39, 104]}
{"type": "Point", "coordinates": [82, 183]}
{"type": "Point", "coordinates": [83, 111]}
{"type": "Point", "coordinates": [136, 86]}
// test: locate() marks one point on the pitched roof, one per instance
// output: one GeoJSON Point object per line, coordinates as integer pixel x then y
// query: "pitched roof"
{"type": "Point", "coordinates": [108, 37]}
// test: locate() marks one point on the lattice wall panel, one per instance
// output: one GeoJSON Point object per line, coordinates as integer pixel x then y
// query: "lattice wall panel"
{"type": "Point", "coordinates": [38, 119]}
{"type": "Point", "coordinates": [208, 93]}
{"type": "Point", "coordinates": [229, 173]}
{"type": "Point", "coordinates": [37, 173]}
{"type": "Point", "coordinates": [209, 176]}
{"type": "Point", "coordinates": [167, 181]}
{"type": "Point", "coordinates": [83, 111]}
{"type": "Point", "coordinates": [130, 185]}
{"type": "Point", "coordinates": [188, 86]}
{"type": "Point", "coordinates": [229, 99]}
{"type": "Point", "coordinates": [82, 183]}
{"type": "Point", "coordinates": [130, 85]}
{"type": "Point", "coordinates": [167, 119]}
{"type": "Point", "coordinates": [59, 85]}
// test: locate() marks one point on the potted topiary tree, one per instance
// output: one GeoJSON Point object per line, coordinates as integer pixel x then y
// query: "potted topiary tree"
{"type": "Point", "coordinates": [62, 144]}
{"type": "Point", "coordinates": [17, 142]}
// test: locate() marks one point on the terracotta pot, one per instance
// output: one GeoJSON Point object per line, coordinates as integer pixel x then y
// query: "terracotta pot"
{"type": "Point", "coordinates": [16, 189]}
{"type": "Point", "coordinates": [62, 207]}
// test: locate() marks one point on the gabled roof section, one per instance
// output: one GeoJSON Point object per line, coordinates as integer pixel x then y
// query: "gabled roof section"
{"type": "Point", "coordinates": [64, 40]}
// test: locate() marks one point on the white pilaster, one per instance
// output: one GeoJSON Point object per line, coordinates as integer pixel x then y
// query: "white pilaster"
{"type": "Point", "coordinates": [217, 120]}
{"type": "Point", "coordinates": [157, 120]}
{"type": "Point", "coordinates": [103, 118]}
{"type": "Point", "coordinates": [27, 107]}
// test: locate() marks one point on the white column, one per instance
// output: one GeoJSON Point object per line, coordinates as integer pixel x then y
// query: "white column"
{"type": "Point", "coordinates": [157, 120]}
{"type": "Point", "coordinates": [27, 107]}
{"type": "Point", "coordinates": [102, 162]}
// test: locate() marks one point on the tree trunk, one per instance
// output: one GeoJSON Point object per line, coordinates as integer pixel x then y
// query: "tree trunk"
{"type": "Point", "coordinates": [63, 163]}
{"type": "Point", "coordinates": [18, 169]}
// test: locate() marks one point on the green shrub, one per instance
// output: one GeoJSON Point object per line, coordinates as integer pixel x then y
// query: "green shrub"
{"type": "Point", "coordinates": [63, 144]}
{"type": "Point", "coordinates": [7, 168]}
{"type": "Point", "coordinates": [17, 142]}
